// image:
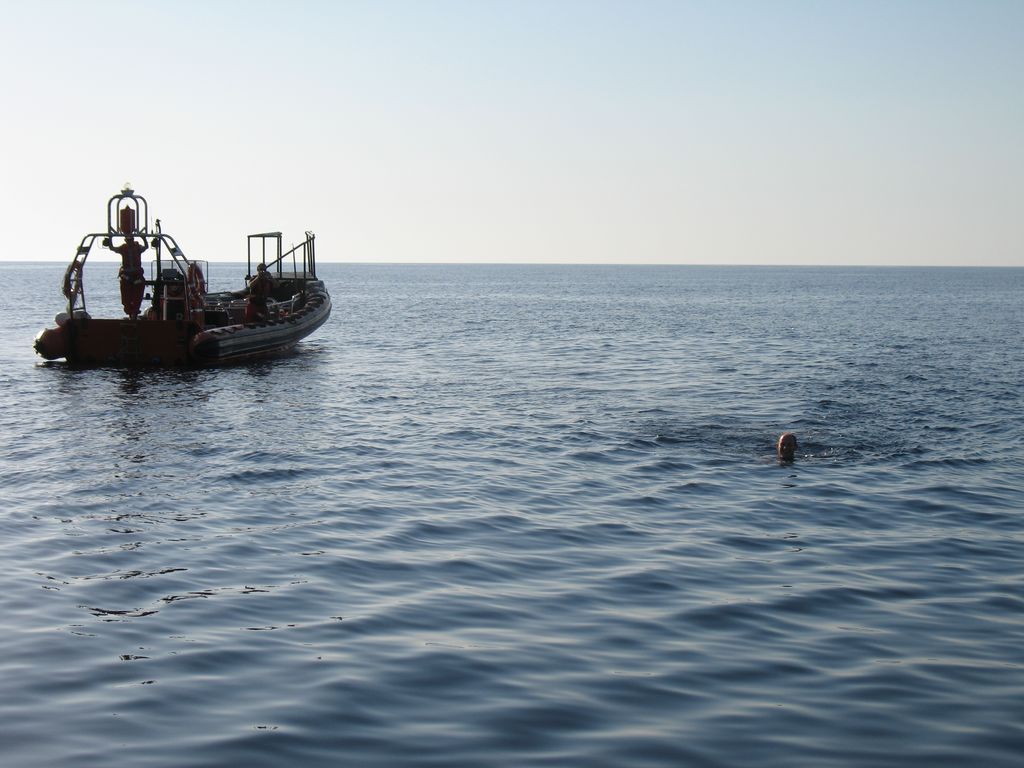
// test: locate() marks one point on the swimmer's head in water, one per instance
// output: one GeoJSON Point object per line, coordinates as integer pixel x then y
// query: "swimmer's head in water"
{"type": "Point", "coordinates": [786, 447]}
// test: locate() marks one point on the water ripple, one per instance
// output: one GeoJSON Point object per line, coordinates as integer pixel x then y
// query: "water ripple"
{"type": "Point", "coordinates": [530, 516]}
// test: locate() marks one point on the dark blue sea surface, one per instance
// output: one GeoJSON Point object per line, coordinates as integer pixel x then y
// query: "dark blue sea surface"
{"type": "Point", "coordinates": [527, 516]}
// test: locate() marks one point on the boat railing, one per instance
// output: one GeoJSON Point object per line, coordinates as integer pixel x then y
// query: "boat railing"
{"type": "Point", "coordinates": [304, 252]}
{"type": "Point", "coordinates": [74, 286]}
{"type": "Point", "coordinates": [308, 250]}
{"type": "Point", "coordinates": [180, 261]}
{"type": "Point", "coordinates": [164, 245]}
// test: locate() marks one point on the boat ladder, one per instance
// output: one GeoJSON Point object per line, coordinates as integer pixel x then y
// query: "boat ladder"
{"type": "Point", "coordinates": [131, 350]}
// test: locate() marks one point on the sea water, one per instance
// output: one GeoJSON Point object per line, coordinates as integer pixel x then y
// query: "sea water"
{"type": "Point", "coordinates": [527, 516]}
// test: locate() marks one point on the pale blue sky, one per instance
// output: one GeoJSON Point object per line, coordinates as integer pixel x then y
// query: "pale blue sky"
{"type": "Point", "coordinates": [822, 132]}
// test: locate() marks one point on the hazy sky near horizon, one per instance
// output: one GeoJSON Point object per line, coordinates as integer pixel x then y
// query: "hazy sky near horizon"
{"type": "Point", "coordinates": [814, 132]}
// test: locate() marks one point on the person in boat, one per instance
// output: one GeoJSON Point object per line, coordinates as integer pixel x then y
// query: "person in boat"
{"type": "Point", "coordinates": [260, 288]}
{"type": "Point", "coordinates": [131, 275]}
{"type": "Point", "coordinates": [786, 447]}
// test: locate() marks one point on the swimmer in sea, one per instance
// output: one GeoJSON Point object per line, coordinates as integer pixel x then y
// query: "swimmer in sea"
{"type": "Point", "coordinates": [786, 447]}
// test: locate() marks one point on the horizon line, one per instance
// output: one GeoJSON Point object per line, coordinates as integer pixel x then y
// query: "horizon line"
{"type": "Point", "coordinates": [574, 264]}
